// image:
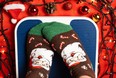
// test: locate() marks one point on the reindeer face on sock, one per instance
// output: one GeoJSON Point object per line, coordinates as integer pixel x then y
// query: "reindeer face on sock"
{"type": "Point", "coordinates": [73, 53]}
{"type": "Point", "coordinates": [41, 57]}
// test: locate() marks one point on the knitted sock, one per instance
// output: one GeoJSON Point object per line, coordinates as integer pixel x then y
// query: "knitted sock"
{"type": "Point", "coordinates": [39, 53]}
{"type": "Point", "coordinates": [66, 42]}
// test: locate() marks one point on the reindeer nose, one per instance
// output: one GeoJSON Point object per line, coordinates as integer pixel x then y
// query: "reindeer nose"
{"type": "Point", "coordinates": [39, 57]}
{"type": "Point", "coordinates": [72, 54]}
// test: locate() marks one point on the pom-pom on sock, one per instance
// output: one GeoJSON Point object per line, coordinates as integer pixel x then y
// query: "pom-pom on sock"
{"type": "Point", "coordinates": [66, 42]}
{"type": "Point", "coordinates": [39, 53]}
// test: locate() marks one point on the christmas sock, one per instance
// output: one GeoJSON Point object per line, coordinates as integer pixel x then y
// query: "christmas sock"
{"type": "Point", "coordinates": [39, 53]}
{"type": "Point", "coordinates": [66, 42]}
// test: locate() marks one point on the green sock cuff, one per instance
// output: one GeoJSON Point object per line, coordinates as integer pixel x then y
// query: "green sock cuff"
{"type": "Point", "coordinates": [36, 30]}
{"type": "Point", "coordinates": [54, 29]}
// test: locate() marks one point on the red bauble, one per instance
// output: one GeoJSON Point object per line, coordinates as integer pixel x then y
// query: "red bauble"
{"type": "Point", "coordinates": [84, 10]}
{"type": "Point", "coordinates": [67, 6]}
{"type": "Point", "coordinates": [33, 10]}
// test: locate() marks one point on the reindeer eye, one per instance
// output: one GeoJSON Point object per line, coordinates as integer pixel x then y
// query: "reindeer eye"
{"type": "Point", "coordinates": [39, 57]}
{"type": "Point", "coordinates": [52, 55]}
{"type": "Point", "coordinates": [72, 54]}
{"type": "Point", "coordinates": [64, 56]}
{"type": "Point", "coordinates": [35, 50]}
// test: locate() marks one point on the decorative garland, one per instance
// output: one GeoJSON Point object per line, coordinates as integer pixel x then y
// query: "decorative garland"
{"type": "Point", "coordinates": [6, 60]}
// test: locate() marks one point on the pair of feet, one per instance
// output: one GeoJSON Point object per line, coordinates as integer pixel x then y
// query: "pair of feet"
{"type": "Point", "coordinates": [45, 39]}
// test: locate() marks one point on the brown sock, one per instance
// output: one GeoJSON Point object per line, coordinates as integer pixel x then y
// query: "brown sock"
{"type": "Point", "coordinates": [39, 54]}
{"type": "Point", "coordinates": [66, 42]}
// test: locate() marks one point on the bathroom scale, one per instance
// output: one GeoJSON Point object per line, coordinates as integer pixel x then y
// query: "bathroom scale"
{"type": "Point", "coordinates": [86, 29]}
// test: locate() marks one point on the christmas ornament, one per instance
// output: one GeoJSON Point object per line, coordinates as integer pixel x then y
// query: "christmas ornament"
{"type": "Point", "coordinates": [50, 7]}
{"type": "Point", "coordinates": [84, 10]}
{"type": "Point", "coordinates": [96, 17]}
{"type": "Point", "coordinates": [14, 10]}
{"type": "Point", "coordinates": [67, 6]}
{"type": "Point", "coordinates": [33, 10]}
